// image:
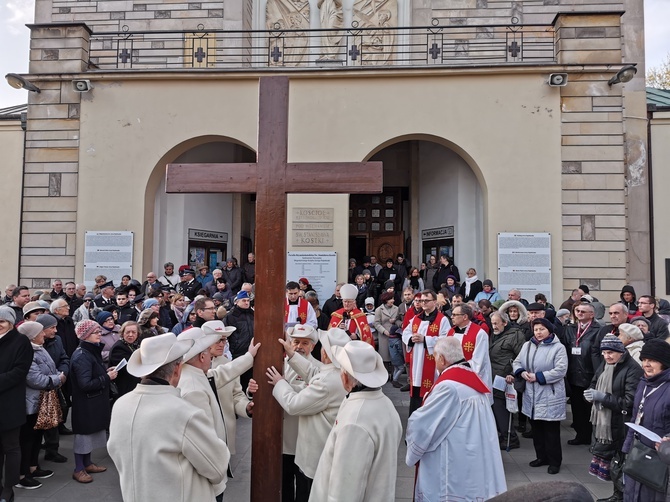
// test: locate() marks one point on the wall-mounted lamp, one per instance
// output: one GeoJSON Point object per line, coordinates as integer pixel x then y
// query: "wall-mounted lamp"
{"type": "Point", "coordinates": [624, 75]}
{"type": "Point", "coordinates": [18, 82]}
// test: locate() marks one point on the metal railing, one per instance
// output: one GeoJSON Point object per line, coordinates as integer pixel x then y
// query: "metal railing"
{"type": "Point", "coordinates": [332, 48]}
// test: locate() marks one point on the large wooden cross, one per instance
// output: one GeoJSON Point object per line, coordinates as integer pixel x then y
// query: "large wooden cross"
{"type": "Point", "coordinates": [271, 178]}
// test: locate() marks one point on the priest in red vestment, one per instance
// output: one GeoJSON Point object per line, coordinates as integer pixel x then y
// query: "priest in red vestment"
{"type": "Point", "coordinates": [350, 318]}
{"type": "Point", "coordinates": [298, 310]}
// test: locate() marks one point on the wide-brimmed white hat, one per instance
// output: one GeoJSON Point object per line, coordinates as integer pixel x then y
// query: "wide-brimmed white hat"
{"type": "Point", "coordinates": [155, 352]}
{"type": "Point", "coordinates": [334, 337]}
{"type": "Point", "coordinates": [361, 361]}
{"type": "Point", "coordinates": [348, 292]}
{"type": "Point", "coordinates": [217, 328]}
{"type": "Point", "coordinates": [303, 331]}
{"type": "Point", "coordinates": [201, 341]}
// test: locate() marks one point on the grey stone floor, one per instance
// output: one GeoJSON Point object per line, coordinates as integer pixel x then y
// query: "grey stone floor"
{"type": "Point", "coordinates": [105, 488]}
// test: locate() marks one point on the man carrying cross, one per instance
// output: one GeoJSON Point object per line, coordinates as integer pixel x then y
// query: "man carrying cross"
{"type": "Point", "coordinates": [420, 336]}
{"type": "Point", "coordinates": [271, 178]}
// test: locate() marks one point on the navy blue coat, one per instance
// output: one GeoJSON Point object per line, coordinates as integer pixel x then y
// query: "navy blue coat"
{"type": "Point", "coordinates": [91, 411]}
{"type": "Point", "coordinates": [16, 356]}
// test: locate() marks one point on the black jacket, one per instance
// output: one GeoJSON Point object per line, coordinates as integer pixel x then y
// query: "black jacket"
{"type": "Point", "coordinates": [124, 381]}
{"type": "Point", "coordinates": [331, 305]}
{"type": "Point", "coordinates": [16, 356]}
{"type": "Point", "coordinates": [385, 275]}
{"type": "Point", "coordinates": [239, 340]}
{"type": "Point", "coordinates": [65, 329]}
{"type": "Point", "coordinates": [126, 313]}
{"type": "Point", "coordinates": [658, 328]}
{"type": "Point", "coordinates": [54, 346]}
{"type": "Point", "coordinates": [582, 367]}
{"type": "Point", "coordinates": [75, 302]}
{"type": "Point", "coordinates": [442, 273]}
{"type": "Point", "coordinates": [90, 390]}
{"type": "Point", "coordinates": [625, 381]}
{"type": "Point", "coordinates": [234, 278]}
{"type": "Point", "coordinates": [475, 288]}
{"type": "Point", "coordinates": [189, 290]}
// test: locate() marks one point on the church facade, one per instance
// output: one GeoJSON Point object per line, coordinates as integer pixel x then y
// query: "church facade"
{"type": "Point", "coordinates": [493, 119]}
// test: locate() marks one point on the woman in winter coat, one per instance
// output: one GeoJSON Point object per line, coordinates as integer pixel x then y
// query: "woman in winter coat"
{"type": "Point", "coordinates": [650, 409]}
{"type": "Point", "coordinates": [543, 363]}
{"type": "Point", "coordinates": [431, 269]}
{"type": "Point", "coordinates": [187, 320]}
{"type": "Point", "coordinates": [414, 281]}
{"type": "Point", "coordinates": [123, 349]}
{"type": "Point", "coordinates": [450, 288]}
{"type": "Point", "coordinates": [385, 316]}
{"type": "Point", "coordinates": [148, 323]}
{"type": "Point", "coordinates": [91, 411]}
{"type": "Point", "coordinates": [629, 299]}
{"type": "Point", "coordinates": [471, 286]}
{"type": "Point", "coordinates": [110, 333]}
{"type": "Point", "coordinates": [612, 392]}
{"type": "Point", "coordinates": [42, 376]}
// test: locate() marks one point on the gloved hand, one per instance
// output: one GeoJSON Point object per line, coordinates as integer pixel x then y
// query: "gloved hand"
{"type": "Point", "coordinates": [592, 395]}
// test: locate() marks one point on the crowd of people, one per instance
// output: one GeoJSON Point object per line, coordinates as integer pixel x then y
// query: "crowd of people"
{"type": "Point", "coordinates": [110, 359]}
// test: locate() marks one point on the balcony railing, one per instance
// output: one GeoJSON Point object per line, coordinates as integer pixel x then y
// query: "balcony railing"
{"type": "Point", "coordinates": [332, 48]}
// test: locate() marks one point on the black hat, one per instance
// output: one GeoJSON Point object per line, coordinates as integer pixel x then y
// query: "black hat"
{"type": "Point", "coordinates": [187, 271]}
{"type": "Point", "coordinates": [131, 287]}
{"type": "Point", "coordinates": [546, 323]}
{"type": "Point", "coordinates": [535, 306]}
{"type": "Point", "coordinates": [656, 349]}
{"type": "Point", "coordinates": [138, 299]}
{"type": "Point", "coordinates": [487, 282]}
{"type": "Point", "coordinates": [108, 284]}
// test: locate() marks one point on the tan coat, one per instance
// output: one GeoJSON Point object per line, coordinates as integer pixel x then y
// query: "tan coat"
{"type": "Point", "coordinates": [179, 458]}
{"type": "Point", "coordinates": [233, 402]}
{"type": "Point", "coordinates": [384, 320]}
{"type": "Point", "coordinates": [359, 461]}
{"type": "Point", "coordinates": [297, 382]}
{"type": "Point", "coordinates": [316, 406]}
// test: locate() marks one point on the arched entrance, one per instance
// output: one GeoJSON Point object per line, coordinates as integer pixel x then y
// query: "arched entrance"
{"type": "Point", "coordinates": [199, 228]}
{"type": "Point", "coordinates": [433, 202]}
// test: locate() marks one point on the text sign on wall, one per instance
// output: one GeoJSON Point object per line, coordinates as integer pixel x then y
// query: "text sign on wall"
{"type": "Point", "coordinates": [312, 226]}
{"type": "Point", "coordinates": [437, 233]}
{"type": "Point", "coordinates": [109, 254]}
{"type": "Point", "coordinates": [320, 269]}
{"type": "Point", "coordinates": [524, 263]}
{"type": "Point", "coordinates": [207, 235]}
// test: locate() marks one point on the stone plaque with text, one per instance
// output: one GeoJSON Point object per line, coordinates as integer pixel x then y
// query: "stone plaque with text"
{"type": "Point", "coordinates": [312, 226]}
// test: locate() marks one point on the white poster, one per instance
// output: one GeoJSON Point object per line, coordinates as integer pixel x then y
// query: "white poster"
{"type": "Point", "coordinates": [319, 268]}
{"type": "Point", "coordinates": [524, 263]}
{"type": "Point", "coordinates": [109, 254]}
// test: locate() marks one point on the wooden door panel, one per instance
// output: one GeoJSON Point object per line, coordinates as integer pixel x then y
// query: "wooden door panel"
{"type": "Point", "coordinates": [386, 245]}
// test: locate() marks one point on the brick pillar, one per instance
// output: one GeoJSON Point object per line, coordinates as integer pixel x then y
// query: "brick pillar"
{"type": "Point", "coordinates": [593, 168]}
{"type": "Point", "coordinates": [49, 212]}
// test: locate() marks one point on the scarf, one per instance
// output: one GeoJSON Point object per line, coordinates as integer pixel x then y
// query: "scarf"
{"type": "Point", "coordinates": [601, 417]}
{"type": "Point", "coordinates": [414, 282]}
{"type": "Point", "coordinates": [178, 312]}
{"type": "Point", "coordinates": [468, 283]}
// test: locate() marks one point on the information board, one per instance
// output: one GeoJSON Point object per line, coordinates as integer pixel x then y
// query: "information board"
{"type": "Point", "coordinates": [524, 263]}
{"type": "Point", "coordinates": [109, 254]}
{"type": "Point", "coordinates": [319, 268]}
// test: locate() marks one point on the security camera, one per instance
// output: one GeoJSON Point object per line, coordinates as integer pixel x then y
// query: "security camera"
{"type": "Point", "coordinates": [82, 85]}
{"type": "Point", "coordinates": [558, 79]}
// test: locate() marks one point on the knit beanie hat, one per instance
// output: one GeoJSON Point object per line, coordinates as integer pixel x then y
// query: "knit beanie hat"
{"type": "Point", "coordinates": [46, 320]}
{"type": "Point", "coordinates": [611, 342]}
{"type": "Point", "coordinates": [85, 328]}
{"type": "Point", "coordinates": [102, 317]}
{"type": "Point", "coordinates": [7, 313]}
{"type": "Point", "coordinates": [487, 282]}
{"type": "Point", "coordinates": [31, 329]}
{"type": "Point", "coordinates": [656, 350]}
{"type": "Point", "coordinates": [641, 318]}
{"type": "Point", "coordinates": [546, 323]}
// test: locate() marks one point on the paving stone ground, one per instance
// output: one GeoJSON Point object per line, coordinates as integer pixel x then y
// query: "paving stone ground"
{"type": "Point", "coordinates": [105, 488]}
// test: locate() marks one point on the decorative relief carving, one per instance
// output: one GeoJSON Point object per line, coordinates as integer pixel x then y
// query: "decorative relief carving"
{"type": "Point", "coordinates": [288, 15]}
{"type": "Point", "coordinates": [330, 12]}
{"type": "Point", "coordinates": [381, 14]}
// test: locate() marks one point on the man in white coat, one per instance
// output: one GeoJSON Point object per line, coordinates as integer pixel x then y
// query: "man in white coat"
{"type": "Point", "coordinates": [303, 338]}
{"type": "Point", "coordinates": [420, 336]}
{"type": "Point", "coordinates": [474, 342]}
{"type": "Point", "coordinates": [164, 448]}
{"type": "Point", "coordinates": [316, 405]}
{"type": "Point", "coordinates": [452, 438]}
{"type": "Point", "coordinates": [198, 382]}
{"type": "Point", "coordinates": [359, 461]}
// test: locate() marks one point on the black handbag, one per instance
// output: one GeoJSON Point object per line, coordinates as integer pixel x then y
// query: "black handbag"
{"type": "Point", "coordinates": [643, 465]}
{"type": "Point", "coordinates": [616, 470]}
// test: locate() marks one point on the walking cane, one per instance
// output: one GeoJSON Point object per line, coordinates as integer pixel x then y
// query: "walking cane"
{"type": "Point", "coordinates": [509, 432]}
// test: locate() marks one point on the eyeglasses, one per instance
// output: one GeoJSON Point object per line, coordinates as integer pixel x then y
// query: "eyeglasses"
{"type": "Point", "coordinates": [209, 308]}
{"type": "Point", "coordinates": [426, 301]}
{"type": "Point", "coordinates": [581, 311]}
{"type": "Point", "coordinates": [454, 315]}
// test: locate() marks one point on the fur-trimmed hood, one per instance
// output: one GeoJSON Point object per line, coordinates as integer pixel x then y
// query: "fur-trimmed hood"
{"type": "Point", "coordinates": [523, 313]}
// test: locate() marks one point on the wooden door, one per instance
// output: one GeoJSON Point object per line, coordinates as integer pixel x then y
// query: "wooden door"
{"type": "Point", "coordinates": [386, 245]}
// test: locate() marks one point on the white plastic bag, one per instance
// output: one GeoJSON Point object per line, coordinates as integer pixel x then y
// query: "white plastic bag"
{"type": "Point", "coordinates": [511, 402]}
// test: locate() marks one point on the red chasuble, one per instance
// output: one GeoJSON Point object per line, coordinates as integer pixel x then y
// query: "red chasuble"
{"type": "Point", "coordinates": [428, 373]}
{"type": "Point", "coordinates": [463, 375]}
{"type": "Point", "coordinates": [302, 311]}
{"type": "Point", "coordinates": [358, 324]}
{"type": "Point", "coordinates": [469, 339]}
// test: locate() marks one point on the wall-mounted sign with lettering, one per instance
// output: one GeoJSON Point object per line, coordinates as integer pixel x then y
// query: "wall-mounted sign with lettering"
{"type": "Point", "coordinates": [207, 235]}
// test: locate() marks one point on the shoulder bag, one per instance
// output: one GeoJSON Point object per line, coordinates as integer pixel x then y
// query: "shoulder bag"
{"type": "Point", "coordinates": [49, 411]}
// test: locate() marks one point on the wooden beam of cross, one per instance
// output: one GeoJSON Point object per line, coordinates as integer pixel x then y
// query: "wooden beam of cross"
{"type": "Point", "coordinates": [271, 178]}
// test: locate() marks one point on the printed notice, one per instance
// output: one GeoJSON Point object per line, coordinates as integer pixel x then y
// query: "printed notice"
{"type": "Point", "coordinates": [524, 263]}
{"type": "Point", "coordinates": [319, 268]}
{"type": "Point", "coordinates": [109, 254]}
